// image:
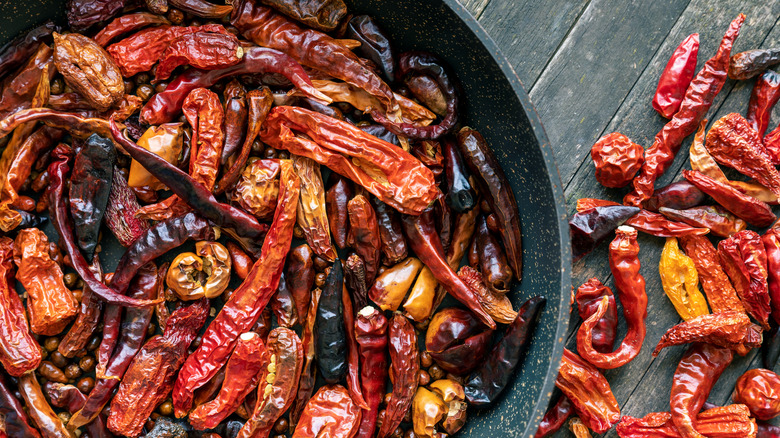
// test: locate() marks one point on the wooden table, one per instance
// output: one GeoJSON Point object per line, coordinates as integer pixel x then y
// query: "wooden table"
{"type": "Point", "coordinates": [591, 67]}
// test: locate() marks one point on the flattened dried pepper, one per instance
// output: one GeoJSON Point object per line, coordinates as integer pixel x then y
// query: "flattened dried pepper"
{"type": "Point", "coordinates": [71, 399]}
{"type": "Point", "coordinates": [681, 281]}
{"type": "Point", "coordinates": [617, 159]}
{"type": "Point", "coordinates": [554, 418]}
{"type": "Point", "coordinates": [127, 23]}
{"type": "Point", "coordinates": [588, 391]}
{"type": "Point", "coordinates": [371, 335]}
{"type": "Point", "coordinates": [330, 336]}
{"type": "Point", "coordinates": [493, 264]}
{"type": "Point", "coordinates": [719, 221]}
{"type": "Point", "coordinates": [283, 305]}
{"type": "Point", "coordinates": [765, 94]}
{"type": "Point", "coordinates": [731, 421]}
{"type": "Point", "coordinates": [39, 409]}
{"type": "Point", "coordinates": [323, 15]}
{"type": "Point", "coordinates": [731, 329]}
{"type": "Point", "coordinates": [330, 413]}
{"type": "Point", "coordinates": [590, 227]}
{"type": "Point", "coordinates": [745, 261]}
{"type": "Point", "coordinates": [676, 77]}
{"type": "Point", "coordinates": [17, 422]}
{"type": "Point", "coordinates": [752, 210]}
{"type": "Point", "coordinates": [745, 65]}
{"type": "Point", "coordinates": [17, 51]}
{"type": "Point", "coordinates": [312, 215]}
{"type": "Point", "coordinates": [19, 353]}
{"type": "Point", "coordinates": [364, 235]}
{"type": "Point", "coordinates": [697, 101]}
{"type": "Point", "coordinates": [201, 50]}
{"type": "Point", "coordinates": [657, 225]}
{"type": "Point", "coordinates": [588, 297]}
{"type": "Point", "coordinates": [457, 341]}
{"type": "Point", "coordinates": [716, 284]}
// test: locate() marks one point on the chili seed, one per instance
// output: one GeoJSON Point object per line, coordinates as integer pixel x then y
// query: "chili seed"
{"type": "Point", "coordinates": [165, 408]}
{"type": "Point", "coordinates": [175, 16]}
{"type": "Point", "coordinates": [269, 153]}
{"type": "Point", "coordinates": [281, 425]}
{"type": "Point", "coordinates": [51, 344]}
{"type": "Point", "coordinates": [425, 359]}
{"type": "Point", "coordinates": [435, 372]}
{"type": "Point", "coordinates": [144, 91]}
{"type": "Point", "coordinates": [423, 378]}
{"type": "Point", "coordinates": [93, 344]}
{"type": "Point", "coordinates": [72, 371]}
{"type": "Point", "coordinates": [320, 279]}
{"type": "Point", "coordinates": [58, 359]}
{"type": "Point", "coordinates": [57, 86]}
{"type": "Point", "coordinates": [87, 363]}
{"type": "Point", "coordinates": [85, 384]}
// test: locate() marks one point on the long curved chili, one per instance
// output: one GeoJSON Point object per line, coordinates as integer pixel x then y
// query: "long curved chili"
{"type": "Point", "coordinates": [353, 352]}
{"type": "Point", "coordinates": [404, 367]}
{"type": "Point", "coordinates": [676, 77]}
{"type": "Point", "coordinates": [371, 335]}
{"type": "Point", "coordinates": [330, 337]}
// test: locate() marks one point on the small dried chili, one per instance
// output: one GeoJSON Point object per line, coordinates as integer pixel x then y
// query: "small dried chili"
{"type": "Point", "coordinates": [493, 263]}
{"type": "Point", "coordinates": [19, 353]}
{"type": "Point", "coordinates": [323, 15]}
{"type": "Point", "coordinates": [364, 236]}
{"type": "Point", "coordinates": [719, 221]}
{"type": "Point", "coordinates": [676, 77]}
{"type": "Point", "coordinates": [771, 241]}
{"type": "Point", "coordinates": [330, 413]}
{"type": "Point", "coordinates": [201, 50]}
{"type": "Point", "coordinates": [588, 297]}
{"type": "Point", "coordinates": [336, 200]}
{"type": "Point", "coordinates": [87, 320]}
{"type": "Point", "coordinates": [283, 305]}
{"type": "Point", "coordinates": [404, 367]}
{"type": "Point", "coordinates": [617, 159]}
{"type": "Point", "coordinates": [745, 65]}
{"type": "Point", "coordinates": [312, 216]}
{"type": "Point", "coordinates": [679, 195]}
{"type": "Point", "coordinates": [716, 284]}
{"type": "Point", "coordinates": [555, 417]}
{"type": "Point", "coordinates": [697, 101]}
{"type": "Point", "coordinates": [202, 8]}
{"type": "Point", "coordinates": [753, 211]}
{"type": "Point", "coordinates": [375, 44]}
{"type": "Point", "coordinates": [166, 141]}
{"type": "Point", "coordinates": [127, 23]}
{"type": "Point", "coordinates": [745, 261]}
{"type": "Point", "coordinates": [759, 390]}
{"type": "Point", "coordinates": [257, 189]}
{"type": "Point", "coordinates": [355, 278]}
{"type": "Point", "coordinates": [657, 225]}
{"type": "Point", "coordinates": [309, 371]}
{"type": "Point", "coordinates": [19, 90]}
{"type": "Point", "coordinates": [730, 329]}
{"type": "Point", "coordinates": [204, 273]}
{"type": "Point", "coordinates": [460, 195]}
{"type": "Point", "coordinates": [330, 336]}
{"type": "Point", "coordinates": [371, 336]}
{"type": "Point", "coordinates": [497, 305]}
{"type": "Point", "coordinates": [680, 281]}
{"type": "Point", "coordinates": [457, 341]}
{"type": "Point", "coordinates": [300, 277]}
{"type": "Point", "coordinates": [766, 93]}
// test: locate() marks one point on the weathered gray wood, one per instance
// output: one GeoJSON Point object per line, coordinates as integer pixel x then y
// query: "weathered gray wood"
{"type": "Point", "coordinates": [476, 7]}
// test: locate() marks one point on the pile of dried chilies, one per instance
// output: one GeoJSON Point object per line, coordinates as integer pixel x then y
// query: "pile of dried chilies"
{"type": "Point", "coordinates": [293, 199]}
{"type": "Point", "coordinates": [739, 271]}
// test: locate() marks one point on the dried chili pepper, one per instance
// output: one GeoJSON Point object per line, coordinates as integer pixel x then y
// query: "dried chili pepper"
{"type": "Point", "coordinates": [496, 305]}
{"type": "Point", "coordinates": [323, 15]}
{"type": "Point", "coordinates": [204, 273]}
{"type": "Point", "coordinates": [17, 422]}
{"type": "Point", "coordinates": [278, 385]}
{"type": "Point", "coordinates": [745, 65]}
{"type": "Point", "coordinates": [485, 384]}
{"type": "Point", "coordinates": [493, 263]}
{"type": "Point", "coordinates": [456, 340]}
{"type": "Point", "coordinates": [390, 233]}
{"type": "Point", "coordinates": [355, 276]}
{"type": "Point", "coordinates": [90, 186]}
{"type": "Point", "coordinates": [164, 106]}
{"type": "Point", "coordinates": [17, 51]}
{"type": "Point", "coordinates": [330, 337]}
{"type": "Point", "coordinates": [83, 14]}
{"type": "Point", "coordinates": [696, 374]}
{"type": "Point", "coordinates": [719, 221]}
{"type": "Point", "coordinates": [676, 77]}
{"type": "Point", "coordinates": [19, 90]}
{"type": "Point", "coordinates": [336, 199]}
{"type": "Point", "coordinates": [679, 195]}
{"type": "Point", "coordinates": [428, 409]}
{"type": "Point", "coordinates": [759, 390]}
{"type": "Point", "coordinates": [331, 412]}
{"type": "Point", "coordinates": [391, 286]}
{"type": "Point", "coordinates": [236, 119]}
{"type": "Point", "coordinates": [392, 175]}
{"type": "Point", "coordinates": [771, 241]}
{"type": "Point", "coordinates": [681, 281]}
{"type": "Point", "coordinates": [745, 261]}
{"type": "Point", "coordinates": [624, 264]}
{"type": "Point", "coordinates": [731, 421]}
{"type": "Point", "coordinates": [424, 241]}
{"type": "Point", "coordinates": [243, 307]}
{"type": "Point", "coordinates": [87, 320]}
{"type": "Point", "coordinates": [150, 376]}
{"type": "Point", "coordinates": [404, 367]}
{"type": "Point", "coordinates": [201, 50]}
{"type": "Point", "coordinates": [127, 23]}
{"type": "Point", "coordinates": [731, 329]}
{"type": "Point", "coordinates": [76, 124]}
{"type": "Point", "coordinates": [554, 418]}
{"type": "Point", "coordinates": [71, 399]}
{"type": "Point", "coordinates": [590, 227]}
{"type": "Point", "coordinates": [353, 355]}
{"type": "Point", "coordinates": [283, 305]}
{"type": "Point", "coordinates": [753, 211]}
{"type": "Point", "coordinates": [657, 225]}
{"type": "Point", "coordinates": [697, 101]}
{"type": "Point", "coordinates": [19, 353]}
{"type": "Point", "coordinates": [766, 93]}
{"type": "Point", "coordinates": [309, 47]}
{"type": "Point", "coordinates": [166, 141]}
{"type": "Point", "coordinates": [257, 189]}
{"type": "Point", "coordinates": [588, 297]}
{"type": "Point", "coordinates": [460, 195]}
{"type": "Point", "coordinates": [202, 8]}
{"type": "Point", "coordinates": [374, 43]}
{"type": "Point", "coordinates": [617, 159]}
{"type": "Point", "coordinates": [716, 284]}
{"type": "Point", "coordinates": [364, 236]}
{"type": "Point", "coordinates": [371, 336]}
{"type": "Point", "coordinates": [300, 277]}
{"type": "Point", "coordinates": [309, 371]}
{"type": "Point", "coordinates": [39, 409]}
{"type": "Point", "coordinates": [240, 261]}
{"type": "Point", "coordinates": [312, 216]}
{"type": "Point", "coordinates": [50, 304]}
{"type": "Point", "coordinates": [588, 391]}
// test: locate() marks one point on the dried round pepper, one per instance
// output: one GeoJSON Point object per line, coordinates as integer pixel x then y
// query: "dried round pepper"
{"type": "Point", "coordinates": [617, 159]}
{"type": "Point", "coordinates": [204, 273]}
{"type": "Point", "coordinates": [759, 390]}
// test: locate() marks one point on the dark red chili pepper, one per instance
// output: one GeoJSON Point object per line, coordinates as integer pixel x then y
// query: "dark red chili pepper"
{"type": "Point", "coordinates": [374, 43]}
{"type": "Point", "coordinates": [745, 65]}
{"type": "Point", "coordinates": [309, 371]}
{"type": "Point", "coordinates": [719, 221]}
{"type": "Point", "coordinates": [424, 240]}
{"type": "Point", "coordinates": [697, 101]}
{"type": "Point", "coordinates": [657, 225]}
{"type": "Point", "coordinates": [240, 261]}
{"type": "Point", "coordinates": [87, 320]}
{"type": "Point", "coordinates": [364, 236]}
{"type": "Point", "coordinates": [460, 195]}
{"type": "Point", "coordinates": [766, 430]}
{"type": "Point", "coordinates": [766, 93]}
{"type": "Point", "coordinates": [283, 305]}
{"type": "Point", "coordinates": [201, 50]}
{"type": "Point", "coordinates": [323, 15]}
{"type": "Point", "coordinates": [353, 353]}
{"type": "Point", "coordinates": [696, 374]}
{"type": "Point", "coordinates": [731, 329]}
{"type": "Point", "coordinates": [83, 14]}
{"type": "Point", "coordinates": [236, 120]}
{"type": "Point", "coordinates": [404, 368]}
{"type": "Point", "coordinates": [71, 399]}
{"type": "Point", "coordinates": [485, 384]}
{"type": "Point", "coordinates": [58, 212]}
{"type": "Point", "coordinates": [679, 195]}
{"type": "Point", "coordinates": [164, 106]}
{"type": "Point", "coordinates": [90, 185]}
{"type": "Point", "coordinates": [336, 199]}
{"type": "Point", "coordinates": [591, 227]}
{"type": "Point", "coordinates": [300, 278]}
{"type": "Point", "coordinates": [589, 392]}
{"type": "Point", "coordinates": [355, 276]}
{"type": "Point", "coordinates": [494, 187]}
{"type": "Point", "coordinates": [18, 91]}
{"type": "Point", "coordinates": [745, 261]}
{"type": "Point", "coordinates": [126, 24]}
{"type": "Point", "coordinates": [371, 335]}
{"type": "Point", "coordinates": [496, 273]}
{"type": "Point", "coordinates": [17, 51]}
{"type": "Point", "coordinates": [751, 210]}
{"type": "Point", "coordinates": [771, 241]}
{"type": "Point", "coordinates": [329, 335]}
{"type": "Point", "coordinates": [555, 417]}
{"type": "Point", "coordinates": [17, 422]}
{"type": "Point", "coordinates": [588, 297]}
{"type": "Point", "coordinates": [676, 77]}
{"type": "Point", "coordinates": [202, 8]}
{"type": "Point", "coordinates": [393, 242]}
{"type": "Point", "coordinates": [120, 212]}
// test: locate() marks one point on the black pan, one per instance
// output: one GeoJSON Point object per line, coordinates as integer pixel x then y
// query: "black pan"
{"type": "Point", "coordinates": [497, 106]}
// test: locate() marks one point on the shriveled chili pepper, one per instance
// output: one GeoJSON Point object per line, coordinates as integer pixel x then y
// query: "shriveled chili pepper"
{"type": "Point", "coordinates": [555, 417]}
{"type": "Point", "coordinates": [127, 23]}
{"type": "Point", "coordinates": [424, 241]}
{"type": "Point", "coordinates": [428, 409]}
{"type": "Point", "coordinates": [283, 305]}
{"type": "Point", "coordinates": [719, 221]}
{"type": "Point", "coordinates": [355, 276]}
{"type": "Point", "coordinates": [17, 51]}
{"type": "Point", "coordinates": [39, 409]}
{"type": "Point", "coordinates": [17, 422]}
{"type": "Point", "coordinates": [191, 191]}
{"type": "Point", "coordinates": [19, 353]}
{"type": "Point", "coordinates": [87, 320]}
{"type": "Point", "coordinates": [71, 399]}
{"type": "Point", "coordinates": [161, 310]}
{"type": "Point", "coordinates": [309, 47]}
{"type": "Point", "coordinates": [731, 421]}
{"type": "Point", "coordinates": [309, 370]}
{"type": "Point", "coordinates": [766, 93]}
{"type": "Point", "coordinates": [695, 104]}
{"type": "Point", "coordinates": [460, 195]}
{"type": "Point", "coordinates": [590, 227]}
{"type": "Point", "coordinates": [278, 385]}
{"type": "Point", "coordinates": [497, 305]}
{"type": "Point", "coordinates": [330, 336]}
{"type": "Point", "coordinates": [374, 43]}
{"type": "Point", "coordinates": [588, 297]}
{"type": "Point", "coordinates": [371, 335]}
{"type": "Point", "coordinates": [240, 261]}
{"type": "Point", "coordinates": [204, 273]}
{"type": "Point", "coordinates": [751, 210]}
{"type": "Point", "coordinates": [657, 225]}
{"type": "Point", "coordinates": [696, 374]}
{"type": "Point", "coordinates": [243, 308]}
{"type": "Point", "coordinates": [150, 376]}
{"type": "Point", "coordinates": [404, 367]}
{"type": "Point", "coordinates": [120, 212]}
{"type": "Point", "coordinates": [588, 391]}
{"type": "Point", "coordinates": [392, 175]}
{"type": "Point", "coordinates": [731, 329]}
{"type": "Point", "coordinates": [164, 106]}
{"type": "Point", "coordinates": [617, 159]}
{"type": "Point", "coordinates": [771, 241]}
{"type": "Point", "coordinates": [676, 77]}
{"type": "Point", "coordinates": [716, 284]}
{"type": "Point", "coordinates": [83, 14]}
{"type": "Point", "coordinates": [300, 277]}
{"type": "Point", "coordinates": [427, 91]}
{"type": "Point", "coordinates": [201, 8]}
{"type": "Point", "coordinates": [323, 15]}
{"type": "Point", "coordinates": [257, 189]}
{"type": "Point", "coordinates": [624, 264]}
{"type": "Point", "coordinates": [457, 341]}
{"type": "Point", "coordinates": [353, 355]}
{"type": "Point", "coordinates": [331, 412]}
{"type": "Point", "coordinates": [493, 263]}
{"type": "Point", "coordinates": [76, 124]}
{"type": "Point", "coordinates": [391, 286]}
{"type": "Point", "coordinates": [166, 141]}
{"type": "Point", "coordinates": [390, 233]}
{"type": "Point", "coordinates": [201, 50]}
{"type": "Point", "coordinates": [680, 281]}
{"type": "Point", "coordinates": [679, 195]}
{"type": "Point", "coordinates": [745, 65]}
{"type": "Point", "coordinates": [90, 185]}
{"type": "Point", "coordinates": [19, 90]}
{"type": "Point", "coordinates": [50, 304]}
{"type": "Point", "coordinates": [236, 115]}
{"type": "Point", "coordinates": [135, 323]}
{"type": "Point", "coordinates": [312, 216]}
{"type": "Point", "coordinates": [759, 390]}
{"type": "Point", "coordinates": [364, 236]}
{"type": "Point", "coordinates": [745, 261]}
{"type": "Point", "coordinates": [336, 199]}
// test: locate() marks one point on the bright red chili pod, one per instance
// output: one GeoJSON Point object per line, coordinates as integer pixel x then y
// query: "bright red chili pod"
{"type": "Point", "coordinates": [676, 77]}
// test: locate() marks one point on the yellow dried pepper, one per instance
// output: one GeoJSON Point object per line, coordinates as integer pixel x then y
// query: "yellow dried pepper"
{"type": "Point", "coordinates": [681, 281]}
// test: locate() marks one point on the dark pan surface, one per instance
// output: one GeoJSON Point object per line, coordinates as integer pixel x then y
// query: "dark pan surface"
{"type": "Point", "coordinates": [496, 105]}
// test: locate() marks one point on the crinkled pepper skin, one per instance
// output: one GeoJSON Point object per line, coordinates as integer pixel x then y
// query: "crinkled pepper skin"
{"type": "Point", "coordinates": [322, 15]}
{"type": "Point", "coordinates": [729, 329]}
{"type": "Point", "coordinates": [657, 225]}
{"type": "Point", "coordinates": [590, 227]}
{"type": "Point", "coordinates": [312, 214]}
{"type": "Point", "coordinates": [201, 50]}
{"type": "Point", "coordinates": [759, 390]}
{"type": "Point", "coordinates": [19, 353]}
{"type": "Point", "coordinates": [680, 195]}
{"type": "Point", "coordinates": [588, 391]}
{"type": "Point", "coordinates": [766, 93]}
{"type": "Point", "coordinates": [681, 281]}
{"type": "Point", "coordinates": [716, 284]}
{"type": "Point", "coordinates": [676, 77]}
{"type": "Point", "coordinates": [719, 221]}
{"type": "Point", "coordinates": [745, 261]}
{"type": "Point", "coordinates": [371, 335]}
{"type": "Point", "coordinates": [329, 332]}
{"type": "Point", "coordinates": [554, 418]}
{"type": "Point", "coordinates": [404, 368]}
{"type": "Point", "coordinates": [745, 65]}
{"type": "Point", "coordinates": [330, 413]}
{"type": "Point", "coordinates": [753, 211]}
{"type": "Point", "coordinates": [375, 43]}
{"type": "Point", "coordinates": [731, 421]}
{"type": "Point", "coordinates": [309, 371]}
{"type": "Point", "coordinates": [588, 297]}
{"type": "Point", "coordinates": [456, 340]}
{"type": "Point", "coordinates": [771, 241]}
{"type": "Point", "coordinates": [617, 159]}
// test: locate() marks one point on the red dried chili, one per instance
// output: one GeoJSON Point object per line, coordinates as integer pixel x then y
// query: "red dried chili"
{"type": "Point", "coordinates": [771, 241]}
{"type": "Point", "coordinates": [371, 335]}
{"type": "Point", "coordinates": [554, 418]}
{"type": "Point", "coordinates": [759, 390]}
{"type": "Point", "coordinates": [588, 391]}
{"type": "Point", "coordinates": [330, 413]}
{"type": "Point", "coordinates": [19, 353]}
{"type": "Point", "coordinates": [404, 367]}
{"type": "Point", "coordinates": [657, 225]}
{"type": "Point", "coordinates": [750, 209]}
{"type": "Point", "coordinates": [714, 217]}
{"type": "Point", "coordinates": [766, 93]}
{"type": "Point", "coordinates": [745, 261]}
{"type": "Point", "coordinates": [720, 293]}
{"type": "Point", "coordinates": [730, 329]}
{"type": "Point", "coordinates": [589, 296]}
{"type": "Point", "coordinates": [731, 421]}
{"type": "Point", "coordinates": [617, 159]}
{"type": "Point", "coordinates": [308, 371]}
{"type": "Point", "coordinates": [127, 23]}
{"type": "Point", "coordinates": [201, 50]}
{"type": "Point", "coordinates": [676, 77]}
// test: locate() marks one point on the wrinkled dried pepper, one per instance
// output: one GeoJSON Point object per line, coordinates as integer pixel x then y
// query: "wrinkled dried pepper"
{"type": "Point", "coordinates": [765, 94]}
{"type": "Point", "coordinates": [375, 43]}
{"type": "Point", "coordinates": [771, 241]}
{"type": "Point", "coordinates": [745, 261]}
{"type": "Point", "coordinates": [590, 227]}
{"type": "Point", "coordinates": [676, 77]}
{"type": "Point", "coordinates": [588, 297]}
{"type": "Point", "coordinates": [719, 221]}
{"type": "Point", "coordinates": [330, 413]}
{"type": "Point", "coordinates": [731, 329]}
{"type": "Point", "coordinates": [201, 50]}
{"type": "Point", "coordinates": [309, 370]}
{"type": "Point", "coordinates": [716, 284]}
{"type": "Point", "coordinates": [312, 215]}
{"type": "Point", "coordinates": [752, 210]}
{"type": "Point", "coordinates": [17, 51]}
{"type": "Point", "coordinates": [19, 353]}
{"type": "Point", "coordinates": [588, 391]}
{"type": "Point", "coordinates": [617, 159]}
{"type": "Point", "coordinates": [364, 236]}
{"type": "Point", "coordinates": [371, 336]}
{"type": "Point", "coordinates": [731, 421]}
{"type": "Point", "coordinates": [681, 281]}
{"type": "Point", "coordinates": [330, 336]}
{"type": "Point", "coordinates": [87, 320]}
{"type": "Point", "coordinates": [404, 367]}
{"type": "Point", "coordinates": [336, 199]}
{"type": "Point", "coordinates": [554, 418]}
{"type": "Point", "coordinates": [39, 410]}
{"type": "Point", "coordinates": [745, 65]}
{"type": "Point", "coordinates": [679, 195]}
{"type": "Point", "coordinates": [759, 390]}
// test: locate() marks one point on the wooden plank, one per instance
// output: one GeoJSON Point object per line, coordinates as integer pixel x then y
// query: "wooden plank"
{"type": "Point", "coordinates": [595, 68]}
{"type": "Point", "coordinates": [476, 7]}
{"type": "Point", "coordinates": [529, 32]}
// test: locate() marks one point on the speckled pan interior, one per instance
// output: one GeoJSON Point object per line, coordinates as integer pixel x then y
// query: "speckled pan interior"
{"type": "Point", "coordinates": [497, 105]}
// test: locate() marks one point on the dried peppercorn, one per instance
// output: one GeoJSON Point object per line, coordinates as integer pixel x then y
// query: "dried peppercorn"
{"type": "Point", "coordinates": [676, 77]}
{"type": "Point", "coordinates": [588, 297]}
{"type": "Point", "coordinates": [681, 281]}
{"type": "Point", "coordinates": [751, 210]}
{"type": "Point", "coordinates": [331, 412]}
{"type": "Point", "coordinates": [745, 261]}
{"type": "Point", "coordinates": [731, 421]}
{"type": "Point", "coordinates": [588, 391]}
{"type": "Point", "coordinates": [697, 101]}
{"type": "Point", "coordinates": [201, 50]}
{"type": "Point", "coordinates": [719, 221]}
{"type": "Point", "coordinates": [716, 284]}
{"type": "Point", "coordinates": [617, 159]}
{"type": "Point", "coordinates": [554, 418]}
{"type": "Point", "coordinates": [371, 335]}
{"type": "Point", "coordinates": [765, 94]}
{"type": "Point", "coordinates": [745, 65]}
{"type": "Point", "coordinates": [730, 329]}
{"type": "Point", "coordinates": [771, 241]}
{"type": "Point", "coordinates": [330, 336]}
{"type": "Point", "coordinates": [759, 390]}
{"type": "Point", "coordinates": [679, 195]}
{"type": "Point", "coordinates": [624, 264]}
{"type": "Point", "coordinates": [19, 353]}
